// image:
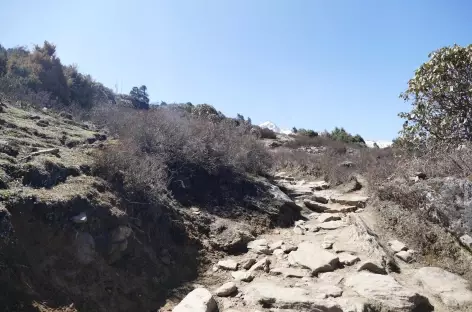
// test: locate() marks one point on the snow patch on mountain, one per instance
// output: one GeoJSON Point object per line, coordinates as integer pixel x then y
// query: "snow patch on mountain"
{"type": "Point", "coordinates": [272, 126]}
{"type": "Point", "coordinates": [380, 143]}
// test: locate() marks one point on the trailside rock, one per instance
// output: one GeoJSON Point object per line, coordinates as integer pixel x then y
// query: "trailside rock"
{"type": "Point", "coordinates": [325, 217]}
{"type": "Point", "coordinates": [386, 292]}
{"type": "Point", "coordinates": [263, 264]}
{"type": "Point", "coordinates": [371, 266]}
{"type": "Point", "coordinates": [452, 289]}
{"type": "Point", "coordinates": [466, 240]}
{"type": "Point", "coordinates": [259, 246]}
{"type": "Point", "coordinates": [289, 272]}
{"type": "Point", "coordinates": [351, 199]}
{"type": "Point", "coordinates": [331, 225]}
{"type": "Point", "coordinates": [228, 264]}
{"type": "Point", "coordinates": [245, 276]}
{"type": "Point", "coordinates": [198, 300]}
{"type": "Point", "coordinates": [405, 255]}
{"type": "Point", "coordinates": [271, 295]}
{"type": "Point", "coordinates": [226, 289]}
{"type": "Point", "coordinates": [397, 246]}
{"type": "Point", "coordinates": [313, 257]}
{"type": "Point", "coordinates": [247, 264]}
{"type": "Point", "coordinates": [347, 259]}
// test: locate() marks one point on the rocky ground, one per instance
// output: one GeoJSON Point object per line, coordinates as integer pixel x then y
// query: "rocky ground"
{"type": "Point", "coordinates": [331, 260]}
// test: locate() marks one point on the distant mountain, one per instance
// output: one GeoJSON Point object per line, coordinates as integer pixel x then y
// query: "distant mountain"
{"type": "Point", "coordinates": [380, 143]}
{"type": "Point", "coordinates": [272, 126]}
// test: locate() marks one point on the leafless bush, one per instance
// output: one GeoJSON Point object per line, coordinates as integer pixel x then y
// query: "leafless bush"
{"type": "Point", "coordinates": [162, 150]}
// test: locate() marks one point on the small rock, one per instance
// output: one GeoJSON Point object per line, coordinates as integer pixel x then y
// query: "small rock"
{"type": "Point", "coordinates": [397, 246]}
{"type": "Point", "coordinates": [287, 248]}
{"type": "Point", "coordinates": [405, 255]}
{"type": "Point", "coordinates": [347, 259]}
{"type": "Point", "coordinates": [466, 240]}
{"type": "Point", "coordinates": [228, 265]}
{"type": "Point", "coordinates": [80, 218]}
{"type": "Point", "coordinates": [195, 210]}
{"type": "Point", "coordinates": [320, 199]}
{"type": "Point", "coordinates": [278, 253]}
{"type": "Point", "coordinates": [226, 289]}
{"type": "Point", "coordinates": [263, 264]}
{"type": "Point", "coordinates": [245, 276]}
{"type": "Point", "coordinates": [248, 263]}
{"type": "Point", "coordinates": [276, 245]}
{"type": "Point", "coordinates": [299, 223]}
{"type": "Point", "coordinates": [198, 300]}
{"type": "Point", "coordinates": [42, 123]}
{"type": "Point", "coordinates": [299, 231]}
{"type": "Point", "coordinates": [312, 228]}
{"type": "Point", "coordinates": [325, 217]}
{"type": "Point", "coordinates": [371, 266]}
{"type": "Point", "coordinates": [328, 242]}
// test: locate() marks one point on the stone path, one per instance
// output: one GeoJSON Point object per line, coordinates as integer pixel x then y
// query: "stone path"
{"type": "Point", "coordinates": [330, 261]}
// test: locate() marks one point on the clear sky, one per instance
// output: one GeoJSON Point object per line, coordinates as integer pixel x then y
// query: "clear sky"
{"type": "Point", "coordinates": [305, 63]}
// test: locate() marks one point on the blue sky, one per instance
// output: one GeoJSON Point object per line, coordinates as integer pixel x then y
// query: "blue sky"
{"type": "Point", "coordinates": [305, 63]}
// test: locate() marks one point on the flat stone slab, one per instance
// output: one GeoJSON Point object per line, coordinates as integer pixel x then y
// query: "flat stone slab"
{"type": "Point", "coordinates": [271, 295]}
{"type": "Point", "coordinates": [351, 199]}
{"type": "Point", "coordinates": [405, 255]}
{"type": "Point", "coordinates": [329, 207]}
{"type": "Point", "coordinates": [198, 300]}
{"type": "Point", "coordinates": [385, 291]}
{"type": "Point", "coordinates": [325, 217]}
{"type": "Point", "coordinates": [452, 289]}
{"type": "Point", "coordinates": [245, 276]}
{"type": "Point", "coordinates": [332, 225]}
{"type": "Point", "coordinates": [289, 272]}
{"type": "Point", "coordinates": [313, 257]}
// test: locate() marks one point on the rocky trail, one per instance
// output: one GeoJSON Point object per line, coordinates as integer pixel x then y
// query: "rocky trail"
{"type": "Point", "coordinates": [331, 260]}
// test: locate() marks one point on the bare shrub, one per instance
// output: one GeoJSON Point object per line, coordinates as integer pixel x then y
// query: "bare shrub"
{"type": "Point", "coordinates": [267, 134]}
{"type": "Point", "coordinates": [163, 150]}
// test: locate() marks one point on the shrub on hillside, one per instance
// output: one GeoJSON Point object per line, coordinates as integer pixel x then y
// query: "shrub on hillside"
{"type": "Point", "coordinates": [307, 132]}
{"type": "Point", "coordinates": [340, 134]}
{"type": "Point", "coordinates": [162, 150]}
{"type": "Point", "coordinates": [268, 134]}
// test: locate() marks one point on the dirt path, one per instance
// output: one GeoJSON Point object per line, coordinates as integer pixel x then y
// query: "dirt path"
{"type": "Point", "coordinates": [332, 260]}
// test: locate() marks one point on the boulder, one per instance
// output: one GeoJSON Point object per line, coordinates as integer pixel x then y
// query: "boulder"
{"type": "Point", "coordinates": [313, 257]}
{"type": "Point", "coordinates": [198, 300]}
{"type": "Point", "coordinates": [85, 245]}
{"type": "Point", "coordinates": [385, 292]}
{"type": "Point", "coordinates": [466, 240]}
{"type": "Point", "coordinates": [259, 246]}
{"type": "Point", "coordinates": [226, 289]}
{"type": "Point", "coordinates": [263, 264]}
{"type": "Point", "coordinates": [230, 236]}
{"type": "Point", "coordinates": [452, 289]}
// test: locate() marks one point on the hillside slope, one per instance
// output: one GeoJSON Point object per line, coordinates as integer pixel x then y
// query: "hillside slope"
{"type": "Point", "coordinates": [71, 241]}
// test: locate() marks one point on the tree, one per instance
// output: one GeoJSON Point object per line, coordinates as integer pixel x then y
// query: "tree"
{"type": "Point", "coordinates": [249, 121]}
{"type": "Point", "coordinates": [441, 97]}
{"type": "Point", "coordinates": [140, 97]}
{"type": "Point", "coordinates": [240, 117]}
{"type": "Point", "coordinates": [294, 130]}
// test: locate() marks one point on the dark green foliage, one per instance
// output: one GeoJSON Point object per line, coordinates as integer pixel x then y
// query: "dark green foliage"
{"type": "Point", "coordinates": [294, 130]}
{"type": "Point", "coordinates": [340, 134]}
{"type": "Point", "coordinates": [140, 97]}
{"type": "Point", "coordinates": [307, 132]}
{"type": "Point", "coordinates": [240, 117]}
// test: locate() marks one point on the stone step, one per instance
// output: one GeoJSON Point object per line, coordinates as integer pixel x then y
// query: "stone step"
{"type": "Point", "coordinates": [330, 207]}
